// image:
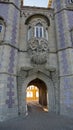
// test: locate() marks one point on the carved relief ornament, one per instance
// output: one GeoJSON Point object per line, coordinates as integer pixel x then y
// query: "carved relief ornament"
{"type": "Point", "coordinates": [38, 49]}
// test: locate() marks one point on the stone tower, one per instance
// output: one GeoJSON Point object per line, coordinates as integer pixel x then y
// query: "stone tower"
{"type": "Point", "coordinates": [64, 34]}
{"type": "Point", "coordinates": [9, 33]}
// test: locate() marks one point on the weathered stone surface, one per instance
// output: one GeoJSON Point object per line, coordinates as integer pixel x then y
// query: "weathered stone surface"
{"type": "Point", "coordinates": [36, 44]}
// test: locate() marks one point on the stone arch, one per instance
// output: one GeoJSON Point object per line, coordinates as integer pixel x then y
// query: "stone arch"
{"type": "Point", "coordinates": [50, 92]}
{"type": "Point", "coordinates": [37, 16]}
{"type": "Point", "coordinates": [3, 20]}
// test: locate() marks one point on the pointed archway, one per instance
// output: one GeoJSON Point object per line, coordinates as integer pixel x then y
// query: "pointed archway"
{"type": "Point", "coordinates": [48, 90]}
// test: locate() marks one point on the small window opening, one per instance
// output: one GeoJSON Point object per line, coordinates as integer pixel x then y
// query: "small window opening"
{"type": "Point", "coordinates": [1, 27]}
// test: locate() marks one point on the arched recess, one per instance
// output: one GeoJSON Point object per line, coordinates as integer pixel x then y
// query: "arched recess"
{"type": "Point", "coordinates": [37, 16]}
{"type": "Point", "coordinates": [27, 80]}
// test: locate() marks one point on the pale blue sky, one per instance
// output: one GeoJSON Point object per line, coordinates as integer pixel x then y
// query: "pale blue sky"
{"type": "Point", "coordinates": [38, 3]}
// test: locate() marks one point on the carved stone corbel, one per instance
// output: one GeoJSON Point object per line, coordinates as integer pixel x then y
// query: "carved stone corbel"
{"type": "Point", "coordinates": [54, 76]}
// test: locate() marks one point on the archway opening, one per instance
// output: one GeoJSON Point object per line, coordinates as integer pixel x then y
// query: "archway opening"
{"type": "Point", "coordinates": [36, 94]}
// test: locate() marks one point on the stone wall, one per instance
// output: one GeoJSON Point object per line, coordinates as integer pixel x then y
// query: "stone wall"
{"type": "Point", "coordinates": [8, 61]}
{"type": "Point", "coordinates": [52, 64]}
{"type": "Point", "coordinates": [64, 48]}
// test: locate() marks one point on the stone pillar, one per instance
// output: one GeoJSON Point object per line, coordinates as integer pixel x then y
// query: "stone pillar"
{"type": "Point", "coordinates": [22, 107]}
{"type": "Point", "coordinates": [55, 80]}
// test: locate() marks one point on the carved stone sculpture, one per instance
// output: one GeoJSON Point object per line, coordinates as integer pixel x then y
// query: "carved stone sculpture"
{"type": "Point", "coordinates": [38, 49]}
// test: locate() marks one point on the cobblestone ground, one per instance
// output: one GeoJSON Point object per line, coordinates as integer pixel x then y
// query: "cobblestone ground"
{"type": "Point", "coordinates": [37, 119]}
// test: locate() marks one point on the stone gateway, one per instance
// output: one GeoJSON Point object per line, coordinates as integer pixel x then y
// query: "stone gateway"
{"type": "Point", "coordinates": [36, 48]}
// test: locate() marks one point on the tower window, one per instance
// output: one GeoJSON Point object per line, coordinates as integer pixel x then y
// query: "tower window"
{"type": "Point", "coordinates": [1, 28]}
{"type": "Point", "coordinates": [71, 1]}
{"type": "Point", "coordinates": [39, 30]}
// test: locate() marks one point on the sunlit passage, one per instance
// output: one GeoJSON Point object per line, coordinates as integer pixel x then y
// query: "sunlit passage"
{"type": "Point", "coordinates": [32, 93]}
{"type": "Point", "coordinates": [36, 95]}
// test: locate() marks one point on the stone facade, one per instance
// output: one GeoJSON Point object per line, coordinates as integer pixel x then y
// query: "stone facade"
{"type": "Point", "coordinates": [36, 45]}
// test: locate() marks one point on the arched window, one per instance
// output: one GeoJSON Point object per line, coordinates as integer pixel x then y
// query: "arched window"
{"type": "Point", "coordinates": [71, 1]}
{"type": "Point", "coordinates": [39, 31]}
{"type": "Point", "coordinates": [2, 29]}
